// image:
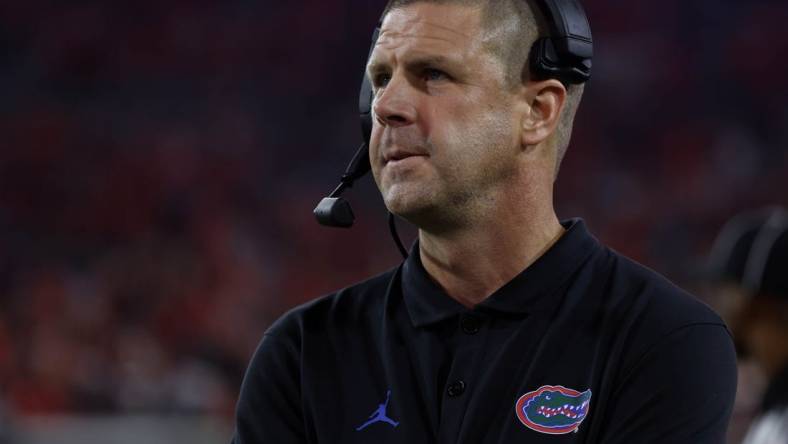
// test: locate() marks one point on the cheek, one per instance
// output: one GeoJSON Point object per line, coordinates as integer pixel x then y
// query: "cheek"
{"type": "Point", "coordinates": [482, 138]}
{"type": "Point", "coordinates": [374, 139]}
{"type": "Point", "coordinates": [374, 149]}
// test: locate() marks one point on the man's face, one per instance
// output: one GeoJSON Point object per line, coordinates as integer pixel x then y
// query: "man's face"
{"type": "Point", "coordinates": [444, 136]}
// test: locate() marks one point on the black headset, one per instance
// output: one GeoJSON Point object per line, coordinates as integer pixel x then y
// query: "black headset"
{"type": "Point", "coordinates": [565, 54]}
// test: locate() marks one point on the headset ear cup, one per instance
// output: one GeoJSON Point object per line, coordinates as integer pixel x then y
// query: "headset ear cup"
{"type": "Point", "coordinates": [546, 63]}
{"type": "Point", "coordinates": [540, 64]}
{"type": "Point", "coordinates": [565, 53]}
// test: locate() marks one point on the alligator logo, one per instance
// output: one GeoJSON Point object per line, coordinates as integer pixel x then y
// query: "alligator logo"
{"type": "Point", "coordinates": [553, 409]}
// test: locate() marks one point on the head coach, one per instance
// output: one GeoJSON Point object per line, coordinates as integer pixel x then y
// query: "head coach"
{"type": "Point", "coordinates": [503, 325]}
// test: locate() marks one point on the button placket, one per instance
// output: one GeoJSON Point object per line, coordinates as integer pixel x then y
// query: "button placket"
{"type": "Point", "coordinates": [467, 348]}
{"type": "Point", "coordinates": [456, 388]}
{"type": "Point", "coordinates": [470, 324]}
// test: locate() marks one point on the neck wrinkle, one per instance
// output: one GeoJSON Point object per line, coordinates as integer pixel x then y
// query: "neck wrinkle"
{"type": "Point", "coordinates": [470, 265]}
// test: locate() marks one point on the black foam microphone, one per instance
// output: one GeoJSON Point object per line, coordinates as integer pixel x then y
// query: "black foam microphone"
{"type": "Point", "coordinates": [334, 211]}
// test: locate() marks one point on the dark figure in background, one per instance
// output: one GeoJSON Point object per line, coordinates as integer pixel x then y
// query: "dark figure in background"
{"type": "Point", "coordinates": [504, 324]}
{"type": "Point", "coordinates": [724, 286]}
{"type": "Point", "coordinates": [726, 265]}
{"type": "Point", "coordinates": [748, 276]}
{"type": "Point", "coordinates": [763, 326]}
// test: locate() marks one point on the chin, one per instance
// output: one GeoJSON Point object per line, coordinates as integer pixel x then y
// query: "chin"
{"type": "Point", "coordinates": [401, 206]}
{"type": "Point", "coordinates": [420, 209]}
{"type": "Point", "coordinates": [406, 201]}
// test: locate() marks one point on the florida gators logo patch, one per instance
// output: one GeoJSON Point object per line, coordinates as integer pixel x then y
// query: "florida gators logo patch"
{"type": "Point", "coordinates": [553, 409]}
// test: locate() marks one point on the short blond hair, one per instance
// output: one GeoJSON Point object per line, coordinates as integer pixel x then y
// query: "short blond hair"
{"type": "Point", "coordinates": [514, 26]}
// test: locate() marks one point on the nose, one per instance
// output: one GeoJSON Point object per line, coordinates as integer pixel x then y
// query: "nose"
{"type": "Point", "coordinates": [394, 105]}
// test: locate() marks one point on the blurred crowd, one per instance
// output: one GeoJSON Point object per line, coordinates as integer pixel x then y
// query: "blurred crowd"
{"type": "Point", "coordinates": [159, 162]}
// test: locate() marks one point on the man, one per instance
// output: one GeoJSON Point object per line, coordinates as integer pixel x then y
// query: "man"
{"type": "Point", "coordinates": [503, 325]}
{"type": "Point", "coordinates": [727, 290]}
{"type": "Point", "coordinates": [724, 270]}
{"type": "Point", "coordinates": [764, 327]}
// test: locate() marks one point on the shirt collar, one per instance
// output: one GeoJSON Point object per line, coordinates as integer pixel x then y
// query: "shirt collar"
{"type": "Point", "coordinates": [531, 291]}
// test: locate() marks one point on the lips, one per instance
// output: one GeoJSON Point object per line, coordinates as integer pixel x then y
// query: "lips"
{"type": "Point", "coordinates": [400, 154]}
{"type": "Point", "coordinates": [397, 144]}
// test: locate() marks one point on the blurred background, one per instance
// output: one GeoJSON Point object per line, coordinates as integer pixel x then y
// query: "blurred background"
{"type": "Point", "coordinates": [160, 160]}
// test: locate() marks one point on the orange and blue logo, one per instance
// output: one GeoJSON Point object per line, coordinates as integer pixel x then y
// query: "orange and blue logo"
{"type": "Point", "coordinates": [553, 409]}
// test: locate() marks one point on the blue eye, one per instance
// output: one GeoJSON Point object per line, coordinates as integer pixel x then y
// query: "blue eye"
{"type": "Point", "coordinates": [381, 80]}
{"type": "Point", "coordinates": [434, 74]}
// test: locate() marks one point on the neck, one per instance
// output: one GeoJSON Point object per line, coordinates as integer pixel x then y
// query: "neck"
{"type": "Point", "coordinates": [472, 263]}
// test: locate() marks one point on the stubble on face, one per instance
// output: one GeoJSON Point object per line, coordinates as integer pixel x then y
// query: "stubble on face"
{"type": "Point", "coordinates": [467, 134]}
{"type": "Point", "coordinates": [461, 178]}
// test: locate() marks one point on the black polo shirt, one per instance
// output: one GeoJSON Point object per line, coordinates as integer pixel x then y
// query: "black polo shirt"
{"type": "Point", "coordinates": [584, 346]}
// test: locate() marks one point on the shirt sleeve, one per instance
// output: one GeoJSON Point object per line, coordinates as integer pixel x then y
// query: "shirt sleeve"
{"type": "Point", "coordinates": [680, 392]}
{"type": "Point", "coordinates": [269, 406]}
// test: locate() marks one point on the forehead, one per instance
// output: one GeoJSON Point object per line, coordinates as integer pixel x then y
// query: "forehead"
{"type": "Point", "coordinates": [449, 29]}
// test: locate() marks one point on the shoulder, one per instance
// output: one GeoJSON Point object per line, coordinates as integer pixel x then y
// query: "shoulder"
{"type": "Point", "coordinates": [635, 290]}
{"type": "Point", "coordinates": [356, 304]}
{"type": "Point", "coordinates": [658, 318]}
{"type": "Point", "coordinates": [352, 308]}
{"type": "Point", "coordinates": [675, 373]}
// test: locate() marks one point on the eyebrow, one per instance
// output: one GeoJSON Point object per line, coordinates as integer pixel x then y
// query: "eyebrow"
{"type": "Point", "coordinates": [417, 63]}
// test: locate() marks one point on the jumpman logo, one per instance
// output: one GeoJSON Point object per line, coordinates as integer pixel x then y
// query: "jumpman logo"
{"type": "Point", "coordinates": [379, 415]}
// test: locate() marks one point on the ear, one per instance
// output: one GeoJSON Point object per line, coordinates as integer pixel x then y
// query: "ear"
{"type": "Point", "coordinates": [544, 101]}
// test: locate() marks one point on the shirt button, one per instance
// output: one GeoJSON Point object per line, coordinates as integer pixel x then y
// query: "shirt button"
{"type": "Point", "coordinates": [469, 324]}
{"type": "Point", "coordinates": [456, 388]}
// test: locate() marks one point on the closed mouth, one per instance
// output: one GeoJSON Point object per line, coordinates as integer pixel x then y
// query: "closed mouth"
{"type": "Point", "coordinates": [400, 155]}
